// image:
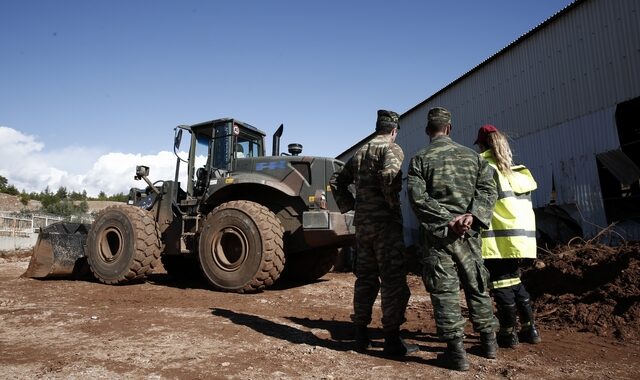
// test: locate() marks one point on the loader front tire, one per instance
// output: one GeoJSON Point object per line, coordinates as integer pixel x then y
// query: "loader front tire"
{"type": "Point", "coordinates": [241, 248]}
{"type": "Point", "coordinates": [123, 244]}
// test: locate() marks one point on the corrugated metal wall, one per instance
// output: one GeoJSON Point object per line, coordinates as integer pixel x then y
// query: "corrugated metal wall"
{"type": "Point", "coordinates": [554, 92]}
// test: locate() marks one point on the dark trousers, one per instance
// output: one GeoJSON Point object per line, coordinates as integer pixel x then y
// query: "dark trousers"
{"type": "Point", "coordinates": [504, 270]}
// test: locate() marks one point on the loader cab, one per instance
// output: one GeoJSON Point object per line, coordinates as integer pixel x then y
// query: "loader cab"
{"type": "Point", "coordinates": [215, 147]}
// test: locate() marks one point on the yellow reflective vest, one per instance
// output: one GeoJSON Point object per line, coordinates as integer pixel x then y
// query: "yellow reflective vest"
{"type": "Point", "coordinates": [512, 233]}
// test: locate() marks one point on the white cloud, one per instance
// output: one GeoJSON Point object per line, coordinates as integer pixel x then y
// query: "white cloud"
{"type": "Point", "coordinates": [16, 143]}
{"type": "Point", "coordinates": [27, 165]}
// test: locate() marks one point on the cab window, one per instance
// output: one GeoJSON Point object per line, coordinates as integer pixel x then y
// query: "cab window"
{"type": "Point", "coordinates": [202, 151]}
{"type": "Point", "coordinates": [248, 146]}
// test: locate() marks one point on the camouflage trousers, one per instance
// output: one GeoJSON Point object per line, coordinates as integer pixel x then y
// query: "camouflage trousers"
{"type": "Point", "coordinates": [380, 266]}
{"type": "Point", "coordinates": [448, 263]}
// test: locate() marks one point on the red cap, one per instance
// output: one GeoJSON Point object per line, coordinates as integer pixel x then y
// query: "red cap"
{"type": "Point", "coordinates": [484, 132]}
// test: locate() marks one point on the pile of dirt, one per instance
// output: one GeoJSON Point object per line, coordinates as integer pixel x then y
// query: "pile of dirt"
{"type": "Point", "coordinates": [11, 203]}
{"type": "Point", "coordinates": [588, 287]}
{"type": "Point", "coordinates": [15, 255]}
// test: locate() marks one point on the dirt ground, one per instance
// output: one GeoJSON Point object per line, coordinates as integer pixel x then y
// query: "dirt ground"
{"type": "Point", "coordinates": [165, 329]}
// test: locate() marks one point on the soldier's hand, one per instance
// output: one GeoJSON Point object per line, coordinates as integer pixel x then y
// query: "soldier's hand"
{"type": "Point", "coordinates": [456, 227]}
{"type": "Point", "coordinates": [466, 220]}
{"type": "Point", "coordinates": [461, 224]}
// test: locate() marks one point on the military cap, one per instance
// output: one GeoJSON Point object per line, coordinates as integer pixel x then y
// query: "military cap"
{"type": "Point", "coordinates": [439, 116]}
{"type": "Point", "coordinates": [387, 120]}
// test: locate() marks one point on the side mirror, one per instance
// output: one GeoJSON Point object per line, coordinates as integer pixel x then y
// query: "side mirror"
{"type": "Point", "coordinates": [177, 139]}
{"type": "Point", "coordinates": [141, 172]}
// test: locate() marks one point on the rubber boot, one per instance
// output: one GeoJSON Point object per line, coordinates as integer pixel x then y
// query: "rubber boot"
{"type": "Point", "coordinates": [363, 343]}
{"type": "Point", "coordinates": [396, 346]}
{"type": "Point", "coordinates": [455, 357]}
{"type": "Point", "coordinates": [507, 335]}
{"type": "Point", "coordinates": [489, 345]}
{"type": "Point", "coordinates": [528, 331]}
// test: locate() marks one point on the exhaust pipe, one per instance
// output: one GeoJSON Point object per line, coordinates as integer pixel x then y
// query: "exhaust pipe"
{"type": "Point", "coordinates": [276, 140]}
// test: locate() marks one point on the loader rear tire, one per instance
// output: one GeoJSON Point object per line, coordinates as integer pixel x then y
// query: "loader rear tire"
{"type": "Point", "coordinates": [123, 244]}
{"type": "Point", "coordinates": [241, 248]}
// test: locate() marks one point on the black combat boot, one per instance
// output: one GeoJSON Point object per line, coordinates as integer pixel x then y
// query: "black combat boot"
{"type": "Point", "coordinates": [455, 357]}
{"type": "Point", "coordinates": [363, 343]}
{"type": "Point", "coordinates": [528, 331]}
{"type": "Point", "coordinates": [396, 346]}
{"type": "Point", "coordinates": [507, 335]}
{"type": "Point", "coordinates": [489, 345]}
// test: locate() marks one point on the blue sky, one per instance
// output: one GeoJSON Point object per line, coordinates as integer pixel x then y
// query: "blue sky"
{"type": "Point", "coordinates": [89, 89]}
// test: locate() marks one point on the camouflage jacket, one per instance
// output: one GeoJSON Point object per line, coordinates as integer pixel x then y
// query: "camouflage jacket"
{"type": "Point", "coordinates": [446, 179]}
{"type": "Point", "coordinates": [375, 171]}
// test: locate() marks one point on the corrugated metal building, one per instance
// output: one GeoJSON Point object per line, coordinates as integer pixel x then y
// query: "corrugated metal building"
{"type": "Point", "coordinates": [567, 93]}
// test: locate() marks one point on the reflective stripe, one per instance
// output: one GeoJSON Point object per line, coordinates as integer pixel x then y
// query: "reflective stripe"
{"type": "Point", "coordinates": [511, 194]}
{"type": "Point", "coordinates": [526, 196]}
{"type": "Point", "coordinates": [504, 283]}
{"type": "Point", "coordinates": [505, 194]}
{"type": "Point", "coordinates": [508, 233]}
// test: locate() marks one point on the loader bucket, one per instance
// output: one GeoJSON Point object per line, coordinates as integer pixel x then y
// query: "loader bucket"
{"type": "Point", "coordinates": [59, 252]}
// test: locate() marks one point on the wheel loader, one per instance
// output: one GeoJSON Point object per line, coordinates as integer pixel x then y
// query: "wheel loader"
{"type": "Point", "coordinates": [242, 220]}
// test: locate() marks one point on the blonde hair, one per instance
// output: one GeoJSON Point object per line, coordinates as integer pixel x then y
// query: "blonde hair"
{"type": "Point", "coordinates": [499, 145]}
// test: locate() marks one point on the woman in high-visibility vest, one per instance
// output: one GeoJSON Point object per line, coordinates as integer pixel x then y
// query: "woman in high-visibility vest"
{"type": "Point", "coordinates": [510, 238]}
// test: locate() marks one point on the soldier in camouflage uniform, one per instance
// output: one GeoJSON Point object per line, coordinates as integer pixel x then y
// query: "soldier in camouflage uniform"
{"type": "Point", "coordinates": [380, 262]}
{"type": "Point", "coordinates": [452, 192]}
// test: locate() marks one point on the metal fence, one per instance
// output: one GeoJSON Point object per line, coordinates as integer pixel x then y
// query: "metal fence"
{"type": "Point", "coordinates": [13, 224]}
{"type": "Point", "coordinates": [20, 231]}
{"type": "Point", "coordinates": [25, 225]}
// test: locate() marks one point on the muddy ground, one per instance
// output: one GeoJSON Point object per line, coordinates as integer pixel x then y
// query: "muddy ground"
{"type": "Point", "coordinates": [165, 329]}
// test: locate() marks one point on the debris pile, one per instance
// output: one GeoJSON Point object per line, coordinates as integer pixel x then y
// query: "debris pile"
{"type": "Point", "coordinates": [588, 286]}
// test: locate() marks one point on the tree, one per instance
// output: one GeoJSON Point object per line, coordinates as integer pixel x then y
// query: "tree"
{"type": "Point", "coordinates": [67, 208]}
{"type": "Point", "coordinates": [24, 197]}
{"type": "Point", "coordinates": [12, 190]}
{"type": "Point", "coordinates": [119, 197]}
{"type": "Point", "coordinates": [74, 196]}
{"type": "Point", "coordinates": [61, 193]}
{"type": "Point", "coordinates": [34, 195]}
{"type": "Point", "coordinates": [3, 183]}
{"type": "Point", "coordinates": [47, 198]}
{"type": "Point", "coordinates": [83, 207]}
{"type": "Point", "coordinates": [102, 196]}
